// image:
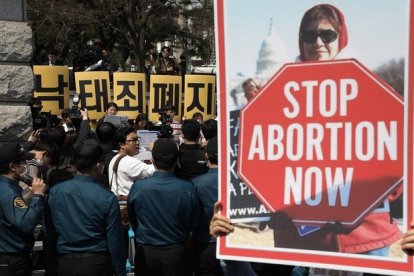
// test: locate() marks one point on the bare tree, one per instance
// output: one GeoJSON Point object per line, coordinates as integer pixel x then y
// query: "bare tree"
{"type": "Point", "coordinates": [393, 73]}
{"type": "Point", "coordinates": [134, 24]}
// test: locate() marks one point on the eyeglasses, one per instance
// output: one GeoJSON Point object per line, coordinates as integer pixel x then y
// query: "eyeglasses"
{"type": "Point", "coordinates": [134, 141]}
{"type": "Point", "coordinates": [327, 36]}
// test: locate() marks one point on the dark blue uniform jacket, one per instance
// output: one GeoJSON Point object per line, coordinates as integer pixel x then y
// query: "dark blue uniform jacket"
{"type": "Point", "coordinates": [17, 220]}
{"type": "Point", "coordinates": [84, 217]}
{"type": "Point", "coordinates": [207, 187]}
{"type": "Point", "coordinates": [163, 209]}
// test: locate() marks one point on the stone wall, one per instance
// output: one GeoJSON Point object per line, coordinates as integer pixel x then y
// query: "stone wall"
{"type": "Point", "coordinates": [16, 75]}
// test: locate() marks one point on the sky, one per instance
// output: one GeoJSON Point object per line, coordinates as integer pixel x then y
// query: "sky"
{"type": "Point", "coordinates": [377, 29]}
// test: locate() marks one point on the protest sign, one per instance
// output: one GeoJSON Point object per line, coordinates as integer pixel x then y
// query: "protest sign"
{"type": "Point", "coordinates": [324, 132]}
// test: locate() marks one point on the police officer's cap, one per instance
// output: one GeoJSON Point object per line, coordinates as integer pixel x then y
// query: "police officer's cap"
{"type": "Point", "coordinates": [14, 152]}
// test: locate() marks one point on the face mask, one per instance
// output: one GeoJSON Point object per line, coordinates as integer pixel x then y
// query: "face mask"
{"type": "Point", "coordinates": [26, 170]}
{"type": "Point", "coordinates": [39, 162]}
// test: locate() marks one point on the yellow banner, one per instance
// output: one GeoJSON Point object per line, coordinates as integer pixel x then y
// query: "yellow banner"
{"type": "Point", "coordinates": [164, 89]}
{"type": "Point", "coordinates": [129, 94]}
{"type": "Point", "coordinates": [200, 96]}
{"type": "Point", "coordinates": [52, 87]}
{"type": "Point", "coordinates": [94, 92]}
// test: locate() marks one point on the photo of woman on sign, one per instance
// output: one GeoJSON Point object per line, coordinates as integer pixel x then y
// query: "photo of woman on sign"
{"type": "Point", "coordinates": [323, 36]}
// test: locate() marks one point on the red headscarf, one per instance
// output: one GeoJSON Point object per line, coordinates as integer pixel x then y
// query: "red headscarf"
{"type": "Point", "coordinates": [343, 35]}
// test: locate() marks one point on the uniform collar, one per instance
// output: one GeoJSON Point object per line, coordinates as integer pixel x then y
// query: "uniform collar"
{"type": "Point", "coordinates": [86, 178]}
{"type": "Point", "coordinates": [8, 180]}
{"type": "Point", "coordinates": [163, 174]}
{"type": "Point", "coordinates": [12, 183]}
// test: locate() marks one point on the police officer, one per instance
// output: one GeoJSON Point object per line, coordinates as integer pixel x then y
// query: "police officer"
{"type": "Point", "coordinates": [83, 221]}
{"type": "Point", "coordinates": [163, 210]}
{"type": "Point", "coordinates": [17, 219]}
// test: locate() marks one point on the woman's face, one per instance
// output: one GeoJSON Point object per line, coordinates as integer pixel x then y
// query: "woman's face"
{"type": "Point", "coordinates": [142, 124]}
{"type": "Point", "coordinates": [320, 41]}
{"type": "Point", "coordinates": [111, 111]}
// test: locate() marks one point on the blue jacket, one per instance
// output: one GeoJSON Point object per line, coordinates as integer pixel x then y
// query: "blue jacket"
{"type": "Point", "coordinates": [82, 216]}
{"type": "Point", "coordinates": [163, 209]}
{"type": "Point", "coordinates": [17, 220]}
{"type": "Point", "coordinates": [207, 188]}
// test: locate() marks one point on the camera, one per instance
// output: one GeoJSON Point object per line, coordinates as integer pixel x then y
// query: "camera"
{"type": "Point", "coordinates": [74, 112]}
{"type": "Point", "coordinates": [41, 119]}
{"type": "Point", "coordinates": [164, 117]}
{"type": "Point", "coordinates": [27, 179]}
{"type": "Point", "coordinates": [164, 130]}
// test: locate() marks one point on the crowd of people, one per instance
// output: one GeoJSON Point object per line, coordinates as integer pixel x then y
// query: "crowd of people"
{"type": "Point", "coordinates": [102, 58]}
{"type": "Point", "coordinates": [88, 189]}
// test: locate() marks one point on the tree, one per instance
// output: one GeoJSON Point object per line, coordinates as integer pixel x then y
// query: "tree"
{"type": "Point", "coordinates": [393, 73]}
{"type": "Point", "coordinates": [136, 25]}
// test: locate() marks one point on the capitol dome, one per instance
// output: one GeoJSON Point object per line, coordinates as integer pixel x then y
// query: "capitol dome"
{"type": "Point", "coordinates": [272, 55]}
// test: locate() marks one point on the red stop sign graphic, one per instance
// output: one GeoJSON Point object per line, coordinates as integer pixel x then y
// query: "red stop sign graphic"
{"type": "Point", "coordinates": [323, 142]}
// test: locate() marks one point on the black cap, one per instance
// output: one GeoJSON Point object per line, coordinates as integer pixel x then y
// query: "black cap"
{"type": "Point", "coordinates": [14, 152]}
{"type": "Point", "coordinates": [211, 148]}
{"type": "Point", "coordinates": [165, 152]}
{"type": "Point", "coordinates": [89, 149]}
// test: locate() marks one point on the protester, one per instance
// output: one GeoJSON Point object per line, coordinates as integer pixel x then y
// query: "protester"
{"type": "Point", "coordinates": [163, 210]}
{"type": "Point", "coordinates": [191, 161]}
{"type": "Point", "coordinates": [407, 242]}
{"type": "Point", "coordinates": [110, 109]}
{"type": "Point", "coordinates": [209, 130]}
{"type": "Point", "coordinates": [132, 63]}
{"type": "Point", "coordinates": [221, 225]}
{"type": "Point", "coordinates": [166, 65]}
{"type": "Point", "coordinates": [198, 117]}
{"type": "Point", "coordinates": [124, 169]}
{"type": "Point", "coordinates": [53, 59]}
{"type": "Point", "coordinates": [83, 221]}
{"type": "Point", "coordinates": [18, 220]}
{"type": "Point", "coordinates": [141, 122]}
{"type": "Point", "coordinates": [108, 62]}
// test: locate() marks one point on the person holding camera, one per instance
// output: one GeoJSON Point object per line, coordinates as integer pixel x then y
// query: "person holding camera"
{"type": "Point", "coordinates": [18, 220]}
{"type": "Point", "coordinates": [167, 124]}
{"type": "Point", "coordinates": [46, 153]}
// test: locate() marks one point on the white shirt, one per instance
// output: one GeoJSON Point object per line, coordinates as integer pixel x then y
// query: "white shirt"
{"type": "Point", "coordinates": [130, 169]}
